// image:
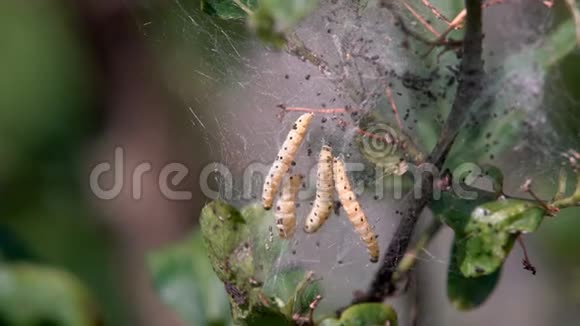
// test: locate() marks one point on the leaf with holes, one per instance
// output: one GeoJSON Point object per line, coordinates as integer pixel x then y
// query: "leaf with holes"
{"type": "Point", "coordinates": [468, 292]}
{"type": "Point", "coordinates": [482, 241]}
{"type": "Point", "coordinates": [491, 231]}
{"type": "Point", "coordinates": [230, 239]}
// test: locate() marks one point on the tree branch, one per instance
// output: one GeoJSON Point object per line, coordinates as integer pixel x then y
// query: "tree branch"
{"type": "Point", "coordinates": [470, 76]}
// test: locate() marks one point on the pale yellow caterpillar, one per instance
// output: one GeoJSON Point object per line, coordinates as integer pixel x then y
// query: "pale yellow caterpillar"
{"type": "Point", "coordinates": [322, 206]}
{"type": "Point", "coordinates": [286, 206]}
{"type": "Point", "coordinates": [353, 210]}
{"type": "Point", "coordinates": [284, 159]}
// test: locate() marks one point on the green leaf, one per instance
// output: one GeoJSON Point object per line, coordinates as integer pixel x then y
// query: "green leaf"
{"type": "Point", "coordinates": [499, 133]}
{"type": "Point", "coordinates": [557, 45]}
{"type": "Point", "coordinates": [228, 9]}
{"type": "Point", "coordinates": [485, 231]}
{"type": "Point", "coordinates": [491, 232]}
{"type": "Point", "coordinates": [262, 316]}
{"type": "Point", "coordinates": [35, 295]}
{"type": "Point", "coordinates": [455, 211]}
{"type": "Point", "coordinates": [367, 314]}
{"type": "Point", "coordinates": [186, 282]}
{"type": "Point", "coordinates": [273, 18]}
{"type": "Point", "coordinates": [468, 292]}
{"type": "Point", "coordinates": [242, 251]}
{"type": "Point", "coordinates": [330, 322]}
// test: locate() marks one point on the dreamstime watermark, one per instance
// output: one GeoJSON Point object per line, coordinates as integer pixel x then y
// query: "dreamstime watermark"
{"type": "Point", "coordinates": [216, 180]}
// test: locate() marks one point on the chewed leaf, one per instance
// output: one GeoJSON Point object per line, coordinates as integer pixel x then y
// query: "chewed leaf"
{"type": "Point", "coordinates": [485, 231]}
{"type": "Point", "coordinates": [468, 292]}
{"type": "Point", "coordinates": [490, 233]}
{"type": "Point", "coordinates": [224, 230]}
{"type": "Point", "coordinates": [185, 281]}
{"type": "Point", "coordinates": [37, 295]}
{"type": "Point", "coordinates": [368, 314]}
{"type": "Point", "coordinates": [242, 251]}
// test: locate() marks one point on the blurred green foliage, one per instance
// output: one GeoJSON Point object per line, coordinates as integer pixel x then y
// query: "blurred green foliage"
{"type": "Point", "coordinates": [47, 118]}
{"type": "Point", "coordinates": [39, 295]}
{"type": "Point", "coordinates": [185, 281]}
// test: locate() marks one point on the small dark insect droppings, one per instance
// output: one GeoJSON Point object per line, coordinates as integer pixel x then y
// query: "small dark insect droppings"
{"type": "Point", "coordinates": [294, 252]}
{"type": "Point", "coordinates": [287, 76]}
{"type": "Point", "coordinates": [238, 296]}
{"type": "Point", "coordinates": [340, 262]}
{"type": "Point", "coordinates": [307, 77]}
{"type": "Point", "coordinates": [309, 151]}
{"type": "Point", "coordinates": [337, 206]}
{"type": "Point", "coordinates": [323, 120]}
{"type": "Point", "coordinates": [317, 243]}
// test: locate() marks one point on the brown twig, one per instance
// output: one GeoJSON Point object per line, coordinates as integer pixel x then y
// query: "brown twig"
{"type": "Point", "coordinates": [308, 320]}
{"type": "Point", "coordinates": [420, 19]}
{"type": "Point", "coordinates": [456, 23]}
{"type": "Point", "coordinates": [436, 12]}
{"type": "Point", "coordinates": [548, 208]}
{"type": "Point", "coordinates": [394, 107]}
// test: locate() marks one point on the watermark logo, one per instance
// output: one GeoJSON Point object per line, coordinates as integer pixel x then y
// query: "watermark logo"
{"type": "Point", "coordinates": [216, 180]}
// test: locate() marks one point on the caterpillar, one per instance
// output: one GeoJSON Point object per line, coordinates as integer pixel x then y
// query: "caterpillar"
{"type": "Point", "coordinates": [286, 207]}
{"type": "Point", "coordinates": [353, 210]}
{"type": "Point", "coordinates": [284, 159]}
{"type": "Point", "coordinates": [323, 204]}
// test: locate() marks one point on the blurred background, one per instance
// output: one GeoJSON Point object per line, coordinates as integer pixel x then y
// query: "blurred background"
{"type": "Point", "coordinates": [79, 79]}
